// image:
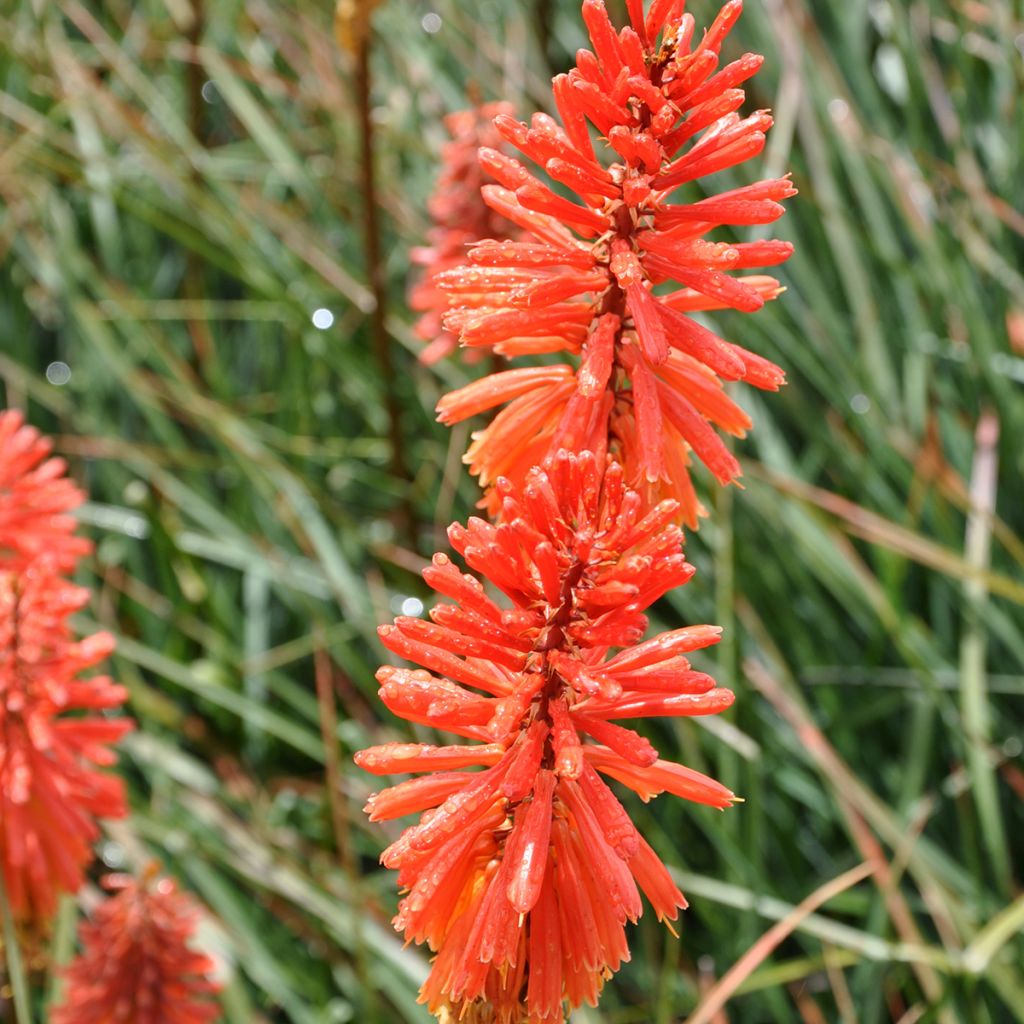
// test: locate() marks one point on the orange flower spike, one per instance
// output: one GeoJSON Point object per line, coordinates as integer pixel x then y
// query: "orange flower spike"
{"type": "Point", "coordinates": [137, 964]}
{"type": "Point", "coordinates": [522, 876]}
{"type": "Point", "coordinates": [582, 278]}
{"type": "Point", "coordinates": [36, 500]}
{"type": "Point", "coordinates": [54, 734]}
{"type": "Point", "coordinates": [53, 737]}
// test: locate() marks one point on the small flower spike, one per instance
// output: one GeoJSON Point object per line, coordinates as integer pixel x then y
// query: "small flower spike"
{"type": "Point", "coordinates": [460, 218]}
{"type": "Point", "coordinates": [523, 870]}
{"type": "Point", "coordinates": [608, 278]}
{"type": "Point", "coordinates": [136, 965]}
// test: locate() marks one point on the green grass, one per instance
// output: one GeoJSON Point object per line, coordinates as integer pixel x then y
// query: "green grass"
{"type": "Point", "coordinates": [175, 202]}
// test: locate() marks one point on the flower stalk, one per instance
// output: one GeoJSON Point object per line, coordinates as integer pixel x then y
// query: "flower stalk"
{"type": "Point", "coordinates": [16, 975]}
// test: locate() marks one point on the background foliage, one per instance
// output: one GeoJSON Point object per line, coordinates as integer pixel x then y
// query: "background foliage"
{"type": "Point", "coordinates": [181, 190]}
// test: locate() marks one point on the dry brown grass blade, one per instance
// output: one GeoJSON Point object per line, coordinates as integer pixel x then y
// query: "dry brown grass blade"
{"type": "Point", "coordinates": [914, 1014]}
{"type": "Point", "coordinates": [810, 1012]}
{"type": "Point", "coordinates": [876, 529]}
{"type": "Point", "coordinates": [726, 986]}
{"type": "Point", "coordinates": [975, 704]}
{"type": "Point", "coordinates": [840, 989]}
{"type": "Point", "coordinates": [323, 672]}
{"type": "Point", "coordinates": [933, 469]}
{"type": "Point", "coordinates": [850, 795]}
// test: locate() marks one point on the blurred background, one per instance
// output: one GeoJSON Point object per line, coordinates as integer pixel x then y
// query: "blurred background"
{"type": "Point", "coordinates": [187, 302]}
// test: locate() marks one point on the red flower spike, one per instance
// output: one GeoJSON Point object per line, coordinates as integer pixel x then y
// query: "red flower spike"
{"type": "Point", "coordinates": [36, 500]}
{"type": "Point", "coordinates": [459, 215]}
{"type": "Point", "coordinates": [521, 876]}
{"type": "Point", "coordinates": [585, 278]}
{"type": "Point", "coordinates": [136, 964]}
{"type": "Point", "coordinates": [50, 791]}
{"type": "Point", "coordinates": [54, 732]}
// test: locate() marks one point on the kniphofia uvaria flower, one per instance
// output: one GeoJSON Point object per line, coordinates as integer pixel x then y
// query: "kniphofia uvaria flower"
{"type": "Point", "coordinates": [55, 733]}
{"type": "Point", "coordinates": [610, 277]}
{"type": "Point", "coordinates": [137, 964]}
{"type": "Point", "coordinates": [524, 867]}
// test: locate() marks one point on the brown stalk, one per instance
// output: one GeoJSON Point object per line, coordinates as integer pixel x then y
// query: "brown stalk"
{"type": "Point", "coordinates": [192, 285]}
{"type": "Point", "coordinates": [329, 733]}
{"type": "Point", "coordinates": [375, 271]}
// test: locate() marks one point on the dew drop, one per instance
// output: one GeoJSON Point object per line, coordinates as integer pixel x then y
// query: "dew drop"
{"type": "Point", "coordinates": [58, 373]}
{"type": "Point", "coordinates": [322, 319]}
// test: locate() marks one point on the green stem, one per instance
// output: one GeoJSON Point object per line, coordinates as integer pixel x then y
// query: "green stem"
{"type": "Point", "coordinates": [15, 967]}
{"type": "Point", "coordinates": [62, 947]}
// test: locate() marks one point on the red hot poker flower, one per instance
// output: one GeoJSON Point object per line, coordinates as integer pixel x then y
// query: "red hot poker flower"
{"type": "Point", "coordinates": [522, 875]}
{"type": "Point", "coordinates": [588, 282]}
{"type": "Point", "coordinates": [53, 734]}
{"type": "Point", "coordinates": [136, 965]}
{"type": "Point", "coordinates": [36, 500]}
{"type": "Point", "coordinates": [460, 217]}
{"type": "Point", "coordinates": [53, 729]}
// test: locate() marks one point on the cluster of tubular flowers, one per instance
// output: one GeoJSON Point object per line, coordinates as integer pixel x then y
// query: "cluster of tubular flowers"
{"type": "Point", "coordinates": [36, 500]}
{"type": "Point", "coordinates": [54, 729]}
{"type": "Point", "coordinates": [460, 217]}
{"type": "Point", "coordinates": [136, 965]}
{"type": "Point", "coordinates": [524, 867]}
{"type": "Point", "coordinates": [609, 277]}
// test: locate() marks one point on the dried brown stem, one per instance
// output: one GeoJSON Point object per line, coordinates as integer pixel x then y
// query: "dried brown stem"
{"type": "Point", "coordinates": [375, 275]}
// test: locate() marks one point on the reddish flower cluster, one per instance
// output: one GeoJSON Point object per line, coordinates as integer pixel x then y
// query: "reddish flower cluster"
{"type": "Point", "coordinates": [587, 281]}
{"type": "Point", "coordinates": [522, 875]}
{"type": "Point", "coordinates": [36, 500]}
{"type": "Point", "coordinates": [136, 965]}
{"type": "Point", "coordinates": [53, 731]}
{"type": "Point", "coordinates": [460, 218]}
